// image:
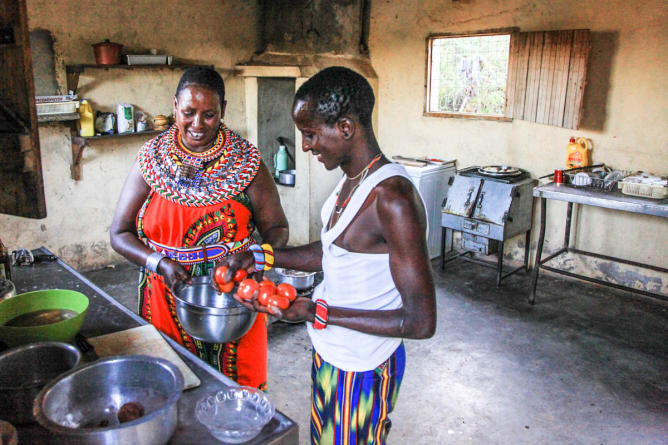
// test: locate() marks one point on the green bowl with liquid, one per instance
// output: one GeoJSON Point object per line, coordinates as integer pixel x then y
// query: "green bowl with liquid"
{"type": "Point", "coordinates": [43, 315]}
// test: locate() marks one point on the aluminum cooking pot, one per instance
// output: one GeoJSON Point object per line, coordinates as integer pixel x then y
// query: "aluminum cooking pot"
{"type": "Point", "coordinates": [87, 405]}
{"type": "Point", "coordinates": [286, 177]}
{"type": "Point", "coordinates": [25, 370]}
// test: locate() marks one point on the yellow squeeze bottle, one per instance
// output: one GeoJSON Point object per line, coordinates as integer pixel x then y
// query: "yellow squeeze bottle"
{"type": "Point", "coordinates": [577, 153]}
{"type": "Point", "coordinates": [86, 121]}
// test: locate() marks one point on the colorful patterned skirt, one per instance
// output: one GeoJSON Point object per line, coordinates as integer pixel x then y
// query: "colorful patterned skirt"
{"type": "Point", "coordinates": [350, 407]}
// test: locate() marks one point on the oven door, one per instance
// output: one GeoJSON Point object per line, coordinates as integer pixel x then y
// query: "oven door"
{"type": "Point", "coordinates": [494, 202]}
{"type": "Point", "coordinates": [462, 196]}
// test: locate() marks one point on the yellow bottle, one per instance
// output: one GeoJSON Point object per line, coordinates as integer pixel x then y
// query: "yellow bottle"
{"type": "Point", "coordinates": [86, 120]}
{"type": "Point", "coordinates": [577, 153]}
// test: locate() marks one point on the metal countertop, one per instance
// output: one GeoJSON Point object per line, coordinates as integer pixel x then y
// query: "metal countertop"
{"type": "Point", "coordinates": [611, 200]}
{"type": "Point", "coordinates": [106, 315]}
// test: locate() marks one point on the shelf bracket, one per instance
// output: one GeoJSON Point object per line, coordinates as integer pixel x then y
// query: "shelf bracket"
{"type": "Point", "coordinates": [78, 145]}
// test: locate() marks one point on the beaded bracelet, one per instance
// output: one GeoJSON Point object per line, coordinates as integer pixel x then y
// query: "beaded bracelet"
{"type": "Point", "coordinates": [268, 256]}
{"type": "Point", "coordinates": [321, 314]}
{"type": "Point", "coordinates": [258, 255]}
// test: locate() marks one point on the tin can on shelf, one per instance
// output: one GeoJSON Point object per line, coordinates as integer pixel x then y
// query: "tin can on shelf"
{"type": "Point", "coordinates": [558, 176]}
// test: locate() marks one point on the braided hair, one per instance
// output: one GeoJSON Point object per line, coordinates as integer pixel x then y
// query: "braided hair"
{"type": "Point", "coordinates": [204, 77]}
{"type": "Point", "coordinates": [337, 91]}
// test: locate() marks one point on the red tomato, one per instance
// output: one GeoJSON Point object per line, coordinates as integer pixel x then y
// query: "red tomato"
{"type": "Point", "coordinates": [226, 287]}
{"type": "Point", "coordinates": [280, 302]}
{"type": "Point", "coordinates": [219, 275]}
{"type": "Point", "coordinates": [247, 288]}
{"type": "Point", "coordinates": [267, 283]}
{"type": "Point", "coordinates": [264, 295]}
{"type": "Point", "coordinates": [240, 275]}
{"type": "Point", "coordinates": [286, 290]}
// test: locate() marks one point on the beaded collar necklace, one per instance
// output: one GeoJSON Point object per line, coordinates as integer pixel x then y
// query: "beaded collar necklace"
{"type": "Point", "coordinates": [189, 162]}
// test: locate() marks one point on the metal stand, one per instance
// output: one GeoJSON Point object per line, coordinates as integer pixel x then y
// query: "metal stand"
{"type": "Point", "coordinates": [540, 263]}
{"type": "Point", "coordinates": [499, 262]}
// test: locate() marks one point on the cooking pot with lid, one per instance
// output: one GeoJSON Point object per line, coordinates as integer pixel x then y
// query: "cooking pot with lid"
{"type": "Point", "coordinates": [107, 53]}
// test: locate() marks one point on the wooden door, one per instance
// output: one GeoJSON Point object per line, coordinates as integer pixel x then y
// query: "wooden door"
{"type": "Point", "coordinates": [21, 184]}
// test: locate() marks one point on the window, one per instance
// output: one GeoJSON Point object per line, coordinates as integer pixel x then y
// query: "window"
{"type": "Point", "coordinates": [534, 76]}
{"type": "Point", "coordinates": [468, 74]}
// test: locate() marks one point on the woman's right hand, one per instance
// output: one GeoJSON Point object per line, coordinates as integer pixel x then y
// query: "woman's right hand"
{"type": "Point", "coordinates": [243, 260]}
{"type": "Point", "coordinates": [173, 273]}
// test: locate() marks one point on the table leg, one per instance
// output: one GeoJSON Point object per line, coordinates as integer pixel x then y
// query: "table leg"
{"type": "Point", "coordinates": [443, 235]}
{"type": "Point", "coordinates": [539, 250]}
{"type": "Point", "coordinates": [567, 230]}
{"type": "Point", "coordinates": [527, 244]}
{"type": "Point", "coordinates": [499, 265]}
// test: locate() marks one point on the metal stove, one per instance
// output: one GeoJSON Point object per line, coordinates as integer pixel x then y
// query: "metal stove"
{"type": "Point", "coordinates": [488, 205]}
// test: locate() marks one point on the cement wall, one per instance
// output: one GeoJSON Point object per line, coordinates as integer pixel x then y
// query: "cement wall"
{"type": "Point", "coordinates": [200, 31]}
{"type": "Point", "coordinates": [625, 108]}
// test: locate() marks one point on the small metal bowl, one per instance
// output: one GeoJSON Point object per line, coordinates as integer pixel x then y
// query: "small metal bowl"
{"type": "Point", "coordinates": [210, 316]}
{"type": "Point", "coordinates": [25, 370]}
{"type": "Point", "coordinates": [82, 406]}
{"type": "Point", "coordinates": [235, 415]}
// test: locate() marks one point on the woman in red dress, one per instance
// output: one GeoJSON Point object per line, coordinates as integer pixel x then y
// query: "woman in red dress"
{"type": "Point", "coordinates": [196, 194]}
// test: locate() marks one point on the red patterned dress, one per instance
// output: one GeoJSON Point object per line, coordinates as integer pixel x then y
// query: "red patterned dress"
{"type": "Point", "coordinates": [196, 200]}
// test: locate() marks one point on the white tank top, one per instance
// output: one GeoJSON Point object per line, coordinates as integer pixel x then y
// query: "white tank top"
{"type": "Point", "coordinates": [357, 281]}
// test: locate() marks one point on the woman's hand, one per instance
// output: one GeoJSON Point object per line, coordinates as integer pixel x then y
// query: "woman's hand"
{"type": "Point", "coordinates": [244, 260]}
{"type": "Point", "coordinates": [173, 273]}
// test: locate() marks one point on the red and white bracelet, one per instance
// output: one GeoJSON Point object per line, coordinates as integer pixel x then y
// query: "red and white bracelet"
{"type": "Point", "coordinates": [321, 312]}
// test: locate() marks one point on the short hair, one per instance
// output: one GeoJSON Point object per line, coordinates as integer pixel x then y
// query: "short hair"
{"type": "Point", "coordinates": [337, 91]}
{"type": "Point", "coordinates": [204, 77]}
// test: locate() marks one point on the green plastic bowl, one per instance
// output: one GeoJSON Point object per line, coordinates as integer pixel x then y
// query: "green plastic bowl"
{"type": "Point", "coordinates": [64, 330]}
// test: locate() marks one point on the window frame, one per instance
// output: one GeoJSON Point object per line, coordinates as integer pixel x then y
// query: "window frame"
{"type": "Point", "coordinates": [428, 71]}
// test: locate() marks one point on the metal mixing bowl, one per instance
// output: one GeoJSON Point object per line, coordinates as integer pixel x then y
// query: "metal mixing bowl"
{"type": "Point", "coordinates": [25, 370]}
{"type": "Point", "coordinates": [298, 279]}
{"type": "Point", "coordinates": [82, 405]}
{"type": "Point", "coordinates": [210, 316]}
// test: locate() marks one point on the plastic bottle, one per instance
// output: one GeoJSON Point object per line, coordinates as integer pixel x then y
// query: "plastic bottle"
{"type": "Point", "coordinates": [280, 160]}
{"type": "Point", "coordinates": [86, 119]}
{"type": "Point", "coordinates": [577, 153]}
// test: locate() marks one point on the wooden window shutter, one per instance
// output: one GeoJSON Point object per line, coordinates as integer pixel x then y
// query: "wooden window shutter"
{"type": "Point", "coordinates": [547, 72]}
{"type": "Point", "coordinates": [21, 180]}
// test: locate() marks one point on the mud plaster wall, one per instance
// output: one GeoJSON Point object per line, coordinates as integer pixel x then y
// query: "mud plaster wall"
{"type": "Point", "coordinates": [199, 31]}
{"type": "Point", "coordinates": [625, 110]}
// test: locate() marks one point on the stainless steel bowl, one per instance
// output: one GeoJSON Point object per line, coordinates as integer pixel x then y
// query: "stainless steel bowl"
{"type": "Point", "coordinates": [82, 406]}
{"type": "Point", "coordinates": [298, 279]}
{"type": "Point", "coordinates": [210, 316]}
{"type": "Point", "coordinates": [25, 370]}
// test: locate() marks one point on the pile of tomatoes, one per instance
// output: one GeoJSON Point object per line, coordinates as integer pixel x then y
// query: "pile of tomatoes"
{"type": "Point", "coordinates": [269, 294]}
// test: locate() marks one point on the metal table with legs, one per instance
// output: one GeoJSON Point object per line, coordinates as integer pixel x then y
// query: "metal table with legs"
{"type": "Point", "coordinates": [614, 200]}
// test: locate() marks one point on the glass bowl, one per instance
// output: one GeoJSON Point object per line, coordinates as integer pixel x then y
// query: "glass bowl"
{"type": "Point", "coordinates": [235, 415]}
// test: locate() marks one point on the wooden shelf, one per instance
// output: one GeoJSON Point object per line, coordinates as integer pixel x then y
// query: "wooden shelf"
{"type": "Point", "coordinates": [80, 142]}
{"type": "Point", "coordinates": [73, 71]}
{"type": "Point", "coordinates": [60, 117]}
{"type": "Point", "coordinates": [120, 135]}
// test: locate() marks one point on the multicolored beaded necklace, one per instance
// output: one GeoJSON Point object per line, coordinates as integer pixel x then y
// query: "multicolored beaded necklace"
{"type": "Point", "coordinates": [191, 163]}
{"type": "Point", "coordinates": [186, 178]}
